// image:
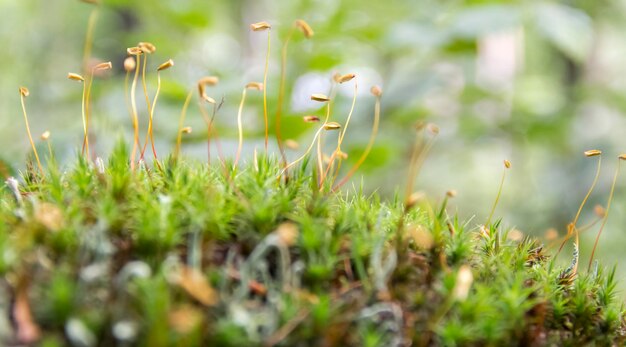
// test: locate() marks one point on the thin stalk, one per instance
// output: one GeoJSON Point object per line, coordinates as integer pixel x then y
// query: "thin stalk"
{"type": "Point", "coordinates": [335, 174]}
{"type": "Point", "coordinates": [126, 100]}
{"type": "Point", "coordinates": [133, 102]}
{"type": "Point", "coordinates": [50, 150]}
{"type": "Point", "coordinates": [577, 253]}
{"type": "Point", "coordinates": [341, 136]}
{"type": "Point", "coordinates": [333, 93]}
{"type": "Point", "coordinates": [572, 226]}
{"type": "Point", "coordinates": [495, 203]}
{"type": "Point", "coordinates": [606, 216]}
{"type": "Point", "coordinates": [150, 121]}
{"type": "Point", "coordinates": [305, 153]}
{"type": "Point", "coordinates": [320, 160]}
{"type": "Point", "coordinates": [331, 163]}
{"type": "Point", "coordinates": [240, 128]}
{"type": "Point", "coordinates": [87, 109]}
{"type": "Point", "coordinates": [267, 62]}
{"type": "Point", "coordinates": [30, 137]}
{"type": "Point", "coordinates": [579, 230]}
{"type": "Point", "coordinates": [370, 144]}
{"type": "Point", "coordinates": [208, 122]}
{"type": "Point", "coordinates": [220, 156]}
{"type": "Point", "coordinates": [179, 136]}
{"type": "Point", "coordinates": [143, 82]}
{"type": "Point", "coordinates": [343, 132]}
{"type": "Point", "coordinates": [281, 95]}
{"type": "Point", "coordinates": [84, 116]}
{"type": "Point", "coordinates": [424, 154]}
{"type": "Point", "coordinates": [413, 166]}
{"type": "Point", "coordinates": [91, 23]}
{"type": "Point", "coordinates": [320, 164]}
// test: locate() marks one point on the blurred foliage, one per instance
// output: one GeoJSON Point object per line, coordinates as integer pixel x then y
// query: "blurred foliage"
{"type": "Point", "coordinates": [536, 82]}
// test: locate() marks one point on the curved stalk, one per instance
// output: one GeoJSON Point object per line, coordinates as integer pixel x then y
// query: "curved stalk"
{"type": "Point", "coordinates": [370, 144]}
{"type": "Point", "coordinates": [305, 153]}
{"type": "Point", "coordinates": [424, 154]}
{"type": "Point", "coordinates": [320, 160]}
{"type": "Point", "coordinates": [343, 133]}
{"type": "Point", "coordinates": [144, 84]}
{"type": "Point", "coordinates": [572, 226]}
{"type": "Point", "coordinates": [133, 103]}
{"type": "Point", "coordinates": [418, 157]}
{"type": "Point", "coordinates": [87, 110]}
{"type": "Point", "coordinates": [91, 23]}
{"type": "Point", "coordinates": [179, 136]}
{"type": "Point", "coordinates": [335, 174]}
{"type": "Point", "coordinates": [579, 230]}
{"type": "Point", "coordinates": [267, 63]}
{"type": "Point", "coordinates": [209, 122]}
{"type": "Point", "coordinates": [84, 116]}
{"type": "Point", "coordinates": [240, 128]}
{"type": "Point", "coordinates": [50, 153]}
{"type": "Point", "coordinates": [340, 138]}
{"type": "Point", "coordinates": [606, 216]}
{"type": "Point", "coordinates": [126, 100]}
{"type": "Point", "coordinates": [415, 153]}
{"type": "Point", "coordinates": [281, 95]}
{"type": "Point", "coordinates": [308, 33]}
{"type": "Point", "coordinates": [495, 203]}
{"type": "Point", "coordinates": [220, 155]}
{"type": "Point", "coordinates": [30, 137]}
{"type": "Point", "coordinates": [149, 134]}
{"type": "Point", "coordinates": [320, 164]}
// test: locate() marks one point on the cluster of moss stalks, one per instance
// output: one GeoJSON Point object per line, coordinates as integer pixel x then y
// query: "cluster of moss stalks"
{"type": "Point", "coordinates": [187, 254]}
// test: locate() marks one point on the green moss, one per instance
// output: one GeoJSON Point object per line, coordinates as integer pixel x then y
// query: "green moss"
{"type": "Point", "coordinates": [106, 256]}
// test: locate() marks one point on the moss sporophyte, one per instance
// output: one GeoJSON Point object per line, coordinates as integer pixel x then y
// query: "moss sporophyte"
{"type": "Point", "coordinates": [274, 250]}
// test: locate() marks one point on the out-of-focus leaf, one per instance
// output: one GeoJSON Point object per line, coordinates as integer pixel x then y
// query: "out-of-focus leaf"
{"type": "Point", "coordinates": [567, 28]}
{"type": "Point", "coordinates": [293, 127]}
{"type": "Point", "coordinates": [378, 157]}
{"type": "Point", "coordinates": [477, 21]}
{"type": "Point", "coordinates": [5, 169]}
{"type": "Point", "coordinates": [539, 95]}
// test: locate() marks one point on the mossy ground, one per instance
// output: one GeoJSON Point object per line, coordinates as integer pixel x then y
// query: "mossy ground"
{"type": "Point", "coordinates": [187, 254]}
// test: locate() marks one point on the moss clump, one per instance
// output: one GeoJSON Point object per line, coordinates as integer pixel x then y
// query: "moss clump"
{"type": "Point", "coordinates": [187, 254]}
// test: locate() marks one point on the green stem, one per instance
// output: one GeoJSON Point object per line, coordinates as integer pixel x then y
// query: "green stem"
{"type": "Point", "coordinates": [495, 203]}
{"type": "Point", "coordinates": [240, 128]}
{"type": "Point", "coordinates": [183, 113]}
{"type": "Point", "coordinates": [267, 62]}
{"type": "Point", "coordinates": [606, 216]}
{"type": "Point", "coordinates": [281, 95]}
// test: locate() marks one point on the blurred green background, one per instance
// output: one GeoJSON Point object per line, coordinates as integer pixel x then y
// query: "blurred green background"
{"type": "Point", "coordinates": [535, 82]}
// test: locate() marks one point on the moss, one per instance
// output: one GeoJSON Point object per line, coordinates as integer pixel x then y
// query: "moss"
{"type": "Point", "coordinates": [270, 252]}
{"type": "Point", "coordinates": [187, 254]}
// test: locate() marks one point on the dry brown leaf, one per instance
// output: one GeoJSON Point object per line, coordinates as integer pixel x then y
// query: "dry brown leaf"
{"type": "Point", "coordinates": [50, 216]}
{"type": "Point", "coordinates": [196, 285]}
